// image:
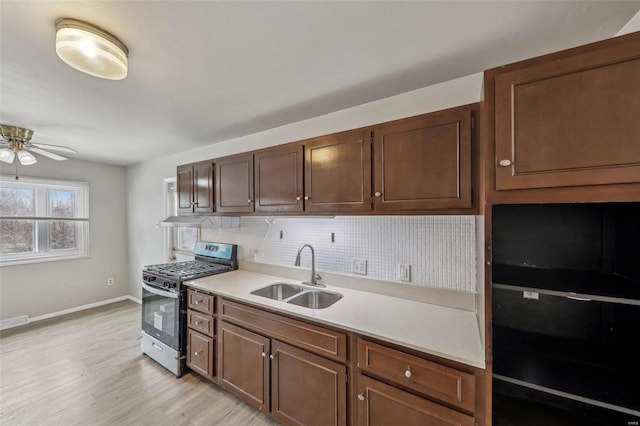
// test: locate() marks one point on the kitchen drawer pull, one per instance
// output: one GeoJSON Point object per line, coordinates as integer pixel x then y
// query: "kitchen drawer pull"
{"type": "Point", "coordinates": [196, 353]}
{"type": "Point", "coordinates": [197, 302]}
{"type": "Point", "coordinates": [408, 373]}
{"type": "Point", "coordinates": [361, 396]}
{"type": "Point", "coordinates": [248, 201]}
{"type": "Point", "coordinates": [264, 354]}
{"type": "Point", "coordinates": [298, 198]}
{"type": "Point", "coordinates": [378, 194]}
{"type": "Point", "coordinates": [504, 163]}
{"type": "Point", "coordinates": [306, 197]}
{"type": "Point", "coordinates": [197, 322]}
{"type": "Point", "coordinates": [272, 356]}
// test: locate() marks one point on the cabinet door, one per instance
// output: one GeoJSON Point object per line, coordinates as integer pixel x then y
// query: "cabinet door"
{"type": "Point", "coordinates": [381, 404]}
{"type": "Point", "coordinates": [184, 185]}
{"type": "Point", "coordinates": [278, 174]}
{"type": "Point", "coordinates": [200, 353]}
{"type": "Point", "coordinates": [338, 172]}
{"type": "Point", "coordinates": [307, 389]}
{"type": "Point", "coordinates": [572, 121]}
{"type": "Point", "coordinates": [244, 365]}
{"type": "Point", "coordinates": [234, 184]}
{"type": "Point", "coordinates": [424, 162]}
{"type": "Point", "coordinates": [203, 187]}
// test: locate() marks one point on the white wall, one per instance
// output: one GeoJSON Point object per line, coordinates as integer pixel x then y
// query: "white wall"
{"type": "Point", "coordinates": [37, 289]}
{"type": "Point", "coordinates": [631, 26]}
{"type": "Point", "coordinates": [144, 181]}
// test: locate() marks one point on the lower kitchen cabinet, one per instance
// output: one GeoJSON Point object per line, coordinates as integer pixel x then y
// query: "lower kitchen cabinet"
{"type": "Point", "coordinates": [307, 389]}
{"type": "Point", "coordinates": [200, 353]}
{"type": "Point", "coordinates": [244, 365]}
{"type": "Point", "coordinates": [381, 404]}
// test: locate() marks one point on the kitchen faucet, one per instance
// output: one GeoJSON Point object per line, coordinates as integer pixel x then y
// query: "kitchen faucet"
{"type": "Point", "coordinates": [314, 277]}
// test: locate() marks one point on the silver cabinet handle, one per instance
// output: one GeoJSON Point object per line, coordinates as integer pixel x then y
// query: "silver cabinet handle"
{"type": "Point", "coordinates": [197, 322]}
{"type": "Point", "coordinates": [272, 356]}
{"type": "Point", "coordinates": [378, 194]}
{"type": "Point", "coordinates": [504, 163]}
{"type": "Point", "coordinates": [306, 197]}
{"type": "Point", "coordinates": [298, 198]}
{"type": "Point", "coordinates": [264, 354]}
{"type": "Point", "coordinates": [248, 201]}
{"type": "Point", "coordinates": [196, 353]}
{"type": "Point", "coordinates": [408, 373]}
{"type": "Point", "coordinates": [197, 302]}
{"type": "Point", "coordinates": [361, 396]}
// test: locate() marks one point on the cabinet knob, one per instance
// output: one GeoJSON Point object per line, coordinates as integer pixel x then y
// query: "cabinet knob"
{"type": "Point", "coordinates": [408, 373]}
{"type": "Point", "coordinates": [248, 201]}
{"type": "Point", "coordinates": [361, 396]}
{"type": "Point", "coordinates": [197, 322]}
{"type": "Point", "coordinates": [264, 354]}
{"type": "Point", "coordinates": [306, 197]}
{"type": "Point", "coordinates": [196, 302]}
{"type": "Point", "coordinates": [378, 194]}
{"type": "Point", "coordinates": [196, 353]}
{"type": "Point", "coordinates": [272, 356]}
{"type": "Point", "coordinates": [504, 163]}
{"type": "Point", "coordinates": [298, 198]}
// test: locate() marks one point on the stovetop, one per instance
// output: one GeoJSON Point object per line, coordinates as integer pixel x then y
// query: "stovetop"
{"type": "Point", "coordinates": [189, 270]}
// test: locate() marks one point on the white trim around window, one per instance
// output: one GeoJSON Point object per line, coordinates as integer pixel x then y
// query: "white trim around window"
{"type": "Point", "coordinates": [43, 220]}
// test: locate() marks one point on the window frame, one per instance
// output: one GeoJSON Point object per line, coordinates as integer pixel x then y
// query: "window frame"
{"type": "Point", "coordinates": [43, 219]}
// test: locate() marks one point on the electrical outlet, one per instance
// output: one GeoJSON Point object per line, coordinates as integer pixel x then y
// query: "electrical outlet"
{"type": "Point", "coordinates": [359, 266]}
{"type": "Point", "coordinates": [404, 272]}
{"type": "Point", "coordinates": [110, 281]}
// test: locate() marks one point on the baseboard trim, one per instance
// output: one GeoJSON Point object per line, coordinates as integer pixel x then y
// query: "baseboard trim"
{"type": "Point", "coordinates": [25, 319]}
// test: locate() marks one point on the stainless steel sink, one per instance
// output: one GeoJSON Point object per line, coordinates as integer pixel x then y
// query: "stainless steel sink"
{"type": "Point", "coordinates": [278, 291]}
{"type": "Point", "coordinates": [315, 299]}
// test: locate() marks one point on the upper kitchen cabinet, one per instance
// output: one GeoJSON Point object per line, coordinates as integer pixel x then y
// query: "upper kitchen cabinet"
{"type": "Point", "coordinates": [424, 162]}
{"type": "Point", "coordinates": [195, 188]}
{"type": "Point", "coordinates": [569, 119]}
{"type": "Point", "coordinates": [278, 179]}
{"type": "Point", "coordinates": [234, 184]}
{"type": "Point", "coordinates": [338, 172]}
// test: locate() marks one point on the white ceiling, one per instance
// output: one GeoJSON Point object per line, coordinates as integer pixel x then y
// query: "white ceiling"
{"type": "Point", "coordinates": [202, 72]}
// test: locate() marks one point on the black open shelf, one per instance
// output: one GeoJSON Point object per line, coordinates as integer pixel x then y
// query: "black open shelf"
{"type": "Point", "coordinates": [596, 372]}
{"type": "Point", "coordinates": [592, 283]}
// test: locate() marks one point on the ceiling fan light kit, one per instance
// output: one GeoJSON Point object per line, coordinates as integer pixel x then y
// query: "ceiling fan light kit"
{"type": "Point", "coordinates": [91, 49]}
{"type": "Point", "coordinates": [16, 141]}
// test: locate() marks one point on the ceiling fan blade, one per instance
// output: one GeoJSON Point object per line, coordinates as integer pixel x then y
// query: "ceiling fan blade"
{"type": "Point", "coordinates": [54, 147]}
{"type": "Point", "coordinates": [47, 154]}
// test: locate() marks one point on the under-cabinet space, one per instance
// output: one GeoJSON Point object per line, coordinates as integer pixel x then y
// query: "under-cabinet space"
{"type": "Point", "coordinates": [566, 303]}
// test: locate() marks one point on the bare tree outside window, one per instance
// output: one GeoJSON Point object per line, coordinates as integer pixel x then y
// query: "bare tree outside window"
{"type": "Point", "coordinates": [62, 234]}
{"type": "Point", "coordinates": [17, 236]}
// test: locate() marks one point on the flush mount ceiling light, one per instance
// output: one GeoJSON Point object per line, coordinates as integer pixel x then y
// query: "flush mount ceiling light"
{"type": "Point", "coordinates": [90, 49]}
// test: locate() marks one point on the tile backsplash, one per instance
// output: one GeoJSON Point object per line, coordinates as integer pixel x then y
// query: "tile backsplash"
{"type": "Point", "coordinates": [440, 249]}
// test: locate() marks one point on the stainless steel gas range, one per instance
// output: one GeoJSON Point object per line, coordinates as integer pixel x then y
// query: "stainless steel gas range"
{"type": "Point", "coordinates": [163, 300]}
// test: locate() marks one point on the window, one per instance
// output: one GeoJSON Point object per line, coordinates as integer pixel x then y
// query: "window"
{"type": "Point", "coordinates": [42, 220]}
{"type": "Point", "coordinates": [181, 239]}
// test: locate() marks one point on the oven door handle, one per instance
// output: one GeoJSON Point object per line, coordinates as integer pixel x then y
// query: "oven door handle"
{"type": "Point", "coordinates": [160, 292]}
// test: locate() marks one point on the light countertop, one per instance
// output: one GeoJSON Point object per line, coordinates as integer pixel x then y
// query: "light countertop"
{"type": "Point", "coordinates": [438, 330]}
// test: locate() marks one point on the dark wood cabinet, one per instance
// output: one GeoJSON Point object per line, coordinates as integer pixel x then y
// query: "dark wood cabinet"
{"type": "Point", "coordinates": [381, 404]}
{"type": "Point", "coordinates": [337, 172]}
{"type": "Point", "coordinates": [278, 179]}
{"type": "Point", "coordinates": [234, 184]}
{"type": "Point", "coordinates": [194, 183]}
{"type": "Point", "coordinates": [307, 389]}
{"type": "Point", "coordinates": [569, 119]}
{"type": "Point", "coordinates": [244, 365]}
{"type": "Point", "coordinates": [424, 162]}
{"type": "Point", "coordinates": [200, 350]}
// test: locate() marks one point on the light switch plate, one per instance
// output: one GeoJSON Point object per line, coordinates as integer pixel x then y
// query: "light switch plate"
{"type": "Point", "coordinates": [359, 266]}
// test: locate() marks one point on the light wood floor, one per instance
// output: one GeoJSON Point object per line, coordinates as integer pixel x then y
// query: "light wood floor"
{"type": "Point", "coordinates": [86, 368]}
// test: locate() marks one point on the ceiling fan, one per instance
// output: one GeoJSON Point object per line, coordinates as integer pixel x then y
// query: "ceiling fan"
{"type": "Point", "coordinates": [17, 143]}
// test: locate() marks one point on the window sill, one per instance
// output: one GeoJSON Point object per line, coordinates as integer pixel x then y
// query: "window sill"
{"type": "Point", "coordinates": [13, 262]}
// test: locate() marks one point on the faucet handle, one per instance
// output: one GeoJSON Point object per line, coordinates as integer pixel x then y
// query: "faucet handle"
{"type": "Point", "coordinates": [318, 277]}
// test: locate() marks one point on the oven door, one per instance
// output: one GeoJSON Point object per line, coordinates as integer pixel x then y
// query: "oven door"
{"type": "Point", "coordinates": [161, 315]}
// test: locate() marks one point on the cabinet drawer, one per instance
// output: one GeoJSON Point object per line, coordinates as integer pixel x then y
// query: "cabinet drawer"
{"type": "Point", "coordinates": [200, 353]}
{"type": "Point", "coordinates": [328, 343]}
{"type": "Point", "coordinates": [199, 301]}
{"type": "Point", "coordinates": [200, 322]}
{"type": "Point", "coordinates": [444, 383]}
{"type": "Point", "coordinates": [381, 404]}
